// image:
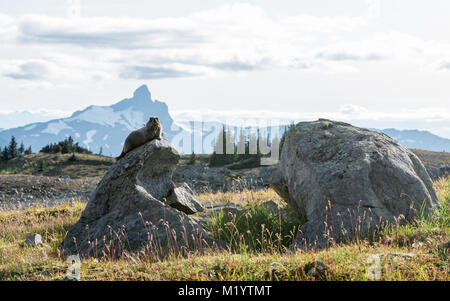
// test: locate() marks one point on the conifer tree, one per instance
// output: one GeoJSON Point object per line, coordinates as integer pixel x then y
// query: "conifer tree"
{"type": "Point", "coordinates": [21, 149]}
{"type": "Point", "coordinates": [28, 151]}
{"type": "Point", "coordinates": [5, 154]}
{"type": "Point", "coordinates": [12, 148]}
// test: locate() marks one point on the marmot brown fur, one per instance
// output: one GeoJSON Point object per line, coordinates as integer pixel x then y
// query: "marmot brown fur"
{"type": "Point", "coordinates": [152, 130]}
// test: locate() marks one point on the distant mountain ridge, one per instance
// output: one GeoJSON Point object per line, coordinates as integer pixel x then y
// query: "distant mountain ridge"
{"type": "Point", "coordinates": [17, 119]}
{"type": "Point", "coordinates": [96, 127]}
{"type": "Point", "coordinates": [418, 139]}
{"type": "Point", "coordinates": [106, 127]}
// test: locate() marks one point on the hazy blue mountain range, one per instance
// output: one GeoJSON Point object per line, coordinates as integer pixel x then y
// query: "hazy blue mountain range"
{"type": "Point", "coordinates": [418, 139]}
{"type": "Point", "coordinates": [96, 126]}
{"type": "Point", "coordinates": [107, 127]}
{"type": "Point", "coordinates": [16, 119]}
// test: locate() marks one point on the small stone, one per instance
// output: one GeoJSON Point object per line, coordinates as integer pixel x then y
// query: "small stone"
{"type": "Point", "coordinates": [184, 200]}
{"type": "Point", "coordinates": [417, 245]}
{"type": "Point", "coordinates": [33, 240]}
{"type": "Point", "coordinates": [316, 269]}
{"type": "Point", "coordinates": [72, 278]}
{"type": "Point", "coordinates": [274, 208]}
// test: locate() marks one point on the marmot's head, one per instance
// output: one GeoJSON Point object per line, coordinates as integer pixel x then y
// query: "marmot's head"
{"type": "Point", "coordinates": [153, 122]}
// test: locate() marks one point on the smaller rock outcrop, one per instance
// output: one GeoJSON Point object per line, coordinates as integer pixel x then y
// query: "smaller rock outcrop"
{"type": "Point", "coordinates": [183, 199]}
{"type": "Point", "coordinates": [137, 207]}
{"type": "Point", "coordinates": [438, 171]}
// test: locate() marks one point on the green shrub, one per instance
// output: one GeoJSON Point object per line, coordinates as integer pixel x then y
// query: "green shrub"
{"type": "Point", "coordinates": [217, 160]}
{"type": "Point", "coordinates": [255, 229]}
{"type": "Point", "coordinates": [192, 159]}
{"type": "Point", "coordinates": [247, 163]}
{"type": "Point", "coordinates": [73, 158]}
{"type": "Point", "coordinates": [65, 147]}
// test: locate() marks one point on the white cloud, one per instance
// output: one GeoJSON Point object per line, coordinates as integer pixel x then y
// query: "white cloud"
{"type": "Point", "coordinates": [11, 119]}
{"type": "Point", "coordinates": [56, 69]}
{"type": "Point", "coordinates": [106, 31]}
{"type": "Point", "coordinates": [30, 70]}
{"type": "Point", "coordinates": [345, 112]}
{"type": "Point", "coordinates": [8, 29]}
{"type": "Point", "coordinates": [307, 23]}
{"type": "Point", "coordinates": [231, 38]}
{"type": "Point", "coordinates": [444, 65]}
{"type": "Point", "coordinates": [237, 37]}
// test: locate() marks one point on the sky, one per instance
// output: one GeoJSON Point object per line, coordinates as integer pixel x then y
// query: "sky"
{"type": "Point", "coordinates": [373, 63]}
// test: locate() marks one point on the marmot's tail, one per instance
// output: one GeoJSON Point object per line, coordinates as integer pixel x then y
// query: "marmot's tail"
{"type": "Point", "coordinates": [120, 157]}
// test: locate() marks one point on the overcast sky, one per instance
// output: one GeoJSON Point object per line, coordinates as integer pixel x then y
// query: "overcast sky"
{"type": "Point", "coordinates": [373, 63]}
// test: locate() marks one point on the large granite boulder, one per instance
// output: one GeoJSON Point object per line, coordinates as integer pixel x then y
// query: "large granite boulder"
{"type": "Point", "coordinates": [137, 207]}
{"type": "Point", "coordinates": [345, 181]}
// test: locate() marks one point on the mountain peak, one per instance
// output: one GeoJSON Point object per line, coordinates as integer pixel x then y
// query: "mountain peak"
{"type": "Point", "coordinates": [143, 92]}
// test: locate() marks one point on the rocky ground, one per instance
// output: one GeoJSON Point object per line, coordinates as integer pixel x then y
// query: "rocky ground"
{"type": "Point", "coordinates": [22, 191]}
{"type": "Point", "coordinates": [202, 178]}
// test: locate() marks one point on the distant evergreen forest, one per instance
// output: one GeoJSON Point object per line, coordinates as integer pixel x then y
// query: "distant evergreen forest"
{"type": "Point", "coordinates": [246, 153]}
{"type": "Point", "coordinates": [65, 147]}
{"type": "Point", "coordinates": [14, 150]}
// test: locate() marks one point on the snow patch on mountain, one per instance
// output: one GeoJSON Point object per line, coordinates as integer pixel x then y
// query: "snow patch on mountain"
{"type": "Point", "coordinates": [100, 115]}
{"type": "Point", "coordinates": [29, 128]}
{"type": "Point", "coordinates": [89, 136]}
{"type": "Point", "coordinates": [109, 117]}
{"type": "Point", "coordinates": [55, 128]}
{"type": "Point", "coordinates": [132, 119]}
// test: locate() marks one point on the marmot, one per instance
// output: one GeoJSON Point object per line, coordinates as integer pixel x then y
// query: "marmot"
{"type": "Point", "coordinates": [152, 130]}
